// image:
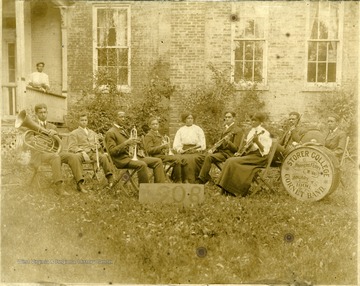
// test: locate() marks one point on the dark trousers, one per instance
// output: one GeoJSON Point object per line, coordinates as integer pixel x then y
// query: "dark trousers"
{"type": "Point", "coordinates": [208, 160]}
{"type": "Point", "coordinates": [177, 162]}
{"type": "Point", "coordinates": [52, 159]}
{"type": "Point", "coordinates": [141, 167]}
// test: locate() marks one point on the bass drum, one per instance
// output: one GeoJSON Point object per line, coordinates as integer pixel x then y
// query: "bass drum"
{"type": "Point", "coordinates": [310, 172]}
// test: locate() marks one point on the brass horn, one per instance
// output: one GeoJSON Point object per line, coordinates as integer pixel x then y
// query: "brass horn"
{"type": "Point", "coordinates": [37, 138]}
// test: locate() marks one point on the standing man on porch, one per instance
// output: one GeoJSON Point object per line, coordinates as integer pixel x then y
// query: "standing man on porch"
{"type": "Point", "coordinates": [39, 79]}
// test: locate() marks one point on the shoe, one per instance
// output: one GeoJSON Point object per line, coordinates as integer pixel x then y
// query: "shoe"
{"type": "Point", "coordinates": [81, 188]}
{"type": "Point", "coordinates": [199, 181]}
{"type": "Point", "coordinates": [110, 180]}
{"type": "Point", "coordinates": [60, 190]}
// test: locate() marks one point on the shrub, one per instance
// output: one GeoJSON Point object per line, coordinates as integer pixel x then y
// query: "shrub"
{"type": "Point", "coordinates": [211, 101]}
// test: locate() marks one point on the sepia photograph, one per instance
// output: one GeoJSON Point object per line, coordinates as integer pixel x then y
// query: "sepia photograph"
{"type": "Point", "coordinates": [179, 142]}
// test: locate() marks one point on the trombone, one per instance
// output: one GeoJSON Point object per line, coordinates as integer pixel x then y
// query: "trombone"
{"type": "Point", "coordinates": [166, 140]}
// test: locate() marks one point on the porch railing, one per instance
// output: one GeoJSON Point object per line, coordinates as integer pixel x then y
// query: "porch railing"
{"type": "Point", "coordinates": [56, 103]}
{"type": "Point", "coordinates": [13, 104]}
{"type": "Point", "coordinates": [8, 99]}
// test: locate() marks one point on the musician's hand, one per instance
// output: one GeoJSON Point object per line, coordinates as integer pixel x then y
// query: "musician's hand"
{"type": "Point", "coordinates": [131, 141]}
{"type": "Point", "coordinates": [52, 132]}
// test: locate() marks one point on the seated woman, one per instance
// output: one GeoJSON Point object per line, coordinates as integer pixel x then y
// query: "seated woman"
{"type": "Point", "coordinates": [238, 172]}
{"type": "Point", "coordinates": [155, 146]}
{"type": "Point", "coordinates": [189, 142]}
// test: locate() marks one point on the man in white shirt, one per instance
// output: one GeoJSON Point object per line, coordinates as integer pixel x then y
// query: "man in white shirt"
{"type": "Point", "coordinates": [39, 79]}
{"type": "Point", "coordinates": [238, 172]}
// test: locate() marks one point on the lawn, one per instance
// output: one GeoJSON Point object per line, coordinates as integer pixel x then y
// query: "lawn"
{"type": "Point", "coordinates": [108, 237]}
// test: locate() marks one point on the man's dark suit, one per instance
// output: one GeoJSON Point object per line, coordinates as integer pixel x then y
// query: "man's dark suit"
{"type": "Point", "coordinates": [224, 152]}
{"type": "Point", "coordinates": [336, 141]}
{"type": "Point", "coordinates": [115, 143]}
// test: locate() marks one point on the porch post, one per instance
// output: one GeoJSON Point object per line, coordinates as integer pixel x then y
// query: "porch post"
{"type": "Point", "coordinates": [20, 56]}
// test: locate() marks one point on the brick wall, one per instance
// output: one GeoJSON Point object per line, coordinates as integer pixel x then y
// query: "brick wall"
{"type": "Point", "coordinates": [190, 35]}
{"type": "Point", "coordinates": [80, 50]}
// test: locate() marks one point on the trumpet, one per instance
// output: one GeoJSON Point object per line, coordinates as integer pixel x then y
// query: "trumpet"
{"type": "Point", "coordinates": [133, 149]}
{"type": "Point", "coordinates": [166, 140]}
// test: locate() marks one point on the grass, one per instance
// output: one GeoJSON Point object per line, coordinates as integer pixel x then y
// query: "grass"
{"type": "Point", "coordinates": [107, 236]}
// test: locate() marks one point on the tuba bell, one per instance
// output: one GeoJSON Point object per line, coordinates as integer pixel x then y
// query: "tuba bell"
{"type": "Point", "coordinates": [37, 138]}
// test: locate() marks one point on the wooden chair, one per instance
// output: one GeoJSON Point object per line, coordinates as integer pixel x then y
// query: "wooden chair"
{"type": "Point", "coordinates": [261, 177]}
{"type": "Point", "coordinates": [125, 176]}
{"type": "Point", "coordinates": [45, 168]}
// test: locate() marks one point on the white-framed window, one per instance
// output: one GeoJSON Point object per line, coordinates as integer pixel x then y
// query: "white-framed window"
{"type": "Point", "coordinates": [249, 45]}
{"type": "Point", "coordinates": [112, 50]}
{"type": "Point", "coordinates": [324, 43]}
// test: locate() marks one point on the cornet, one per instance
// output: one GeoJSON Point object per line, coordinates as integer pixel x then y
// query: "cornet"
{"type": "Point", "coordinates": [132, 149]}
{"type": "Point", "coordinates": [166, 140]}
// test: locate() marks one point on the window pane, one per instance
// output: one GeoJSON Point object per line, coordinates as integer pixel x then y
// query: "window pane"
{"type": "Point", "coordinates": [323, 30]}
{"type": "Point", "coordinates": [332, 72]}
{"type": "Point", "coordinates": [312, 51]}
{"type": "Point", "coordinates": [258, 72]}
{"type": "Point", "coordinates": [112, 57]}
{"type": "Point", "coordinates": [332, 52]}
{"type": "Point", "coordinates": [259, 28]}
{"type": "Point", "coordinates": [102, 57]}
{"type": "Point", "coordinates": [321, 75]}
{"type": "Point", "coordinates": [248, 73]}
{"type": "Point", "coordinates": [239, 50]}
{"type": "Point", "coordinates": [101, 38]}
{"type": "Point", "coordinates": [250, 28]}
{"type": "Point", "coordinates": [123, 57]}
{"type": "Point", "coordinates": [322, 52]}
{"type": "Point", "coordinates": [249, 50]}
{"type": "Point", "coordinates": [238, 75]}
{"type": "Point", "coordinates": [259, 50]}
{"type": "Point", "coordinates": [123, 76]}
{"type": "Point", "coordinates": [314, 29]}
{"type": "Point", "coordinates": [311, 75]}
{"type": "Point", "coordinates": [111, 37]}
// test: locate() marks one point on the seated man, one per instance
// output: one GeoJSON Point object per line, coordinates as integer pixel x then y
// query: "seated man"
{"type": "Point", "coordinates": [118, 141]}
{"type": "Point", "coordinates": [39, 79]}
{"type": "Point", "coordinates": [336, 138]}
{"type": "Point", "coordinates": [55, 160]}
{"type": "Point", "coordinates": [85, 142]}
{"type": "Point", "coordinates": [231, 138]}
{"type": "Point", "coordinates": [156, 146]}
{"type": "Point", "coordinates": [291, 136]}
{"type": "Point", "coordinates": [238, 172]}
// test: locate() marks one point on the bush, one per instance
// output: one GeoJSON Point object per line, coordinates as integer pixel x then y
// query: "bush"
{"type": "Point", "coordinates": [106, 100]}
{"type": "Point", "coordinates": [211, 101]}
{"type": "Point", "coordinates": [344, 105]}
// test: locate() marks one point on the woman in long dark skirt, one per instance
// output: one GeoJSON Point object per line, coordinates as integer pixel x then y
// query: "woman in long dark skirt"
{"type": "Point", "coordinates": [238, 172]}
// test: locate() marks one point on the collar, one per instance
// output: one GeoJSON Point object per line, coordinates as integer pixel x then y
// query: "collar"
{"type": "Point", "coordinates": [42, 122]}
{"type": "Point", "coordinates": [332, 131]}
{"type": "Point", "coordinates": [85, 129]}
{"type": "Point", "coordinates": [118, 126]}
{"type": "Point", "coordinates": [227, 126]}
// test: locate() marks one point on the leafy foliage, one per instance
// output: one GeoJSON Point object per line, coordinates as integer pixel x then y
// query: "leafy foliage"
{"type": "Point", "coordinates": [102, 104]}
{"type": "Point", "coordinates": [344, 105]}
{"type": "Point", "coordinates": [210, 102]}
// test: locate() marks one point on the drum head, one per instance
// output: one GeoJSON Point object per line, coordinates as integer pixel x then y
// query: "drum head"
{"type": "Point", "coordinates": [308, 174]}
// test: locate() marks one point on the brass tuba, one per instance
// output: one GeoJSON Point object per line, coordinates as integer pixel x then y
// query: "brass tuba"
{"type": "Point", "coordinates": [37, 138]}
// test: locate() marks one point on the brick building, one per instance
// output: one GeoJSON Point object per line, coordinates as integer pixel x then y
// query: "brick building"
{"type": "Point", "coordinates": [294, 50]}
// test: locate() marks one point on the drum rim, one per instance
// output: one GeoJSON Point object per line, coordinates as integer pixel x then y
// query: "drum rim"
{"type": "Point", "coordinates": [315, 147]}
